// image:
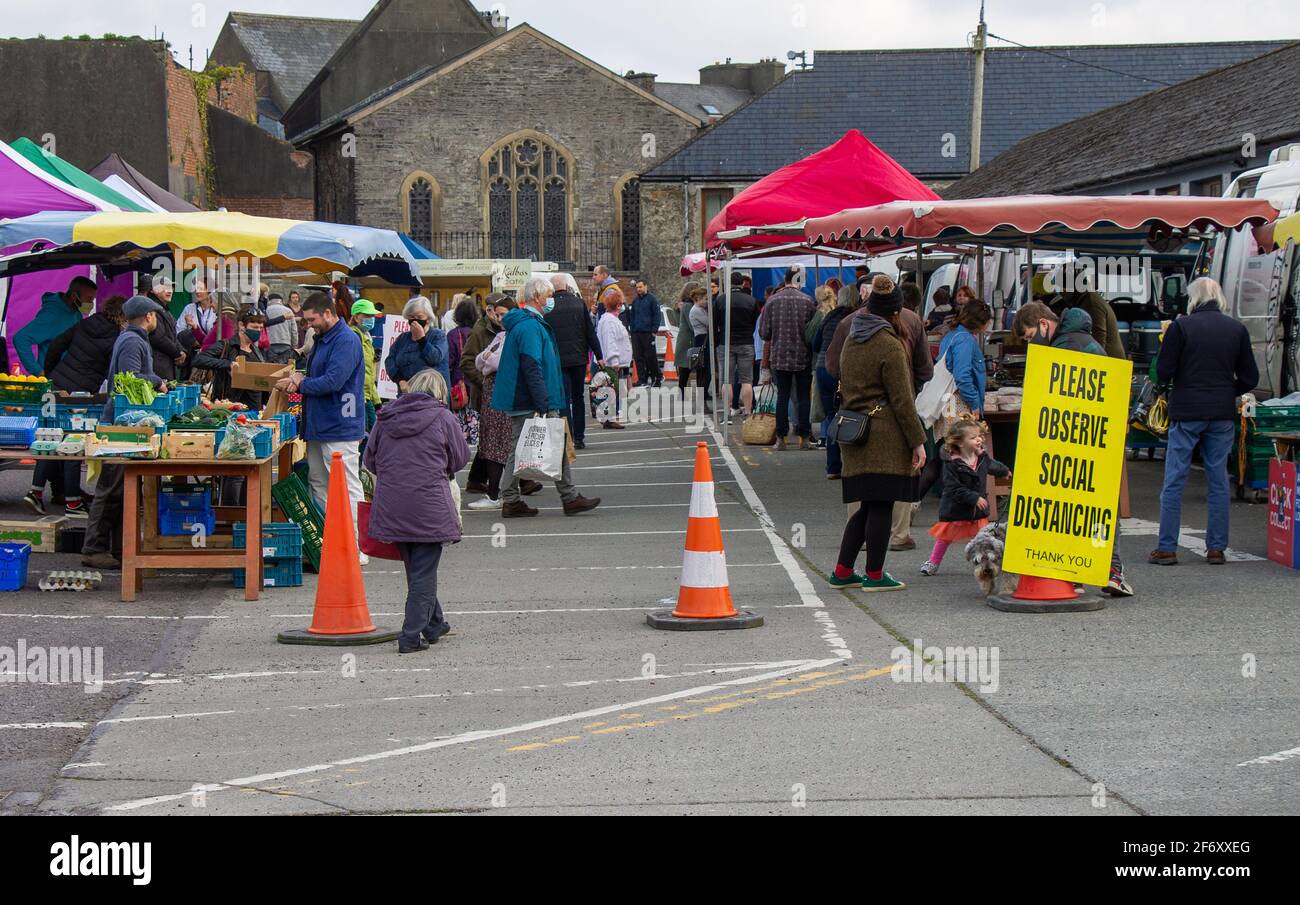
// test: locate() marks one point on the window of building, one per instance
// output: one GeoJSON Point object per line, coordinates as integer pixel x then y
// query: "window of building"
{"type": "Point", "coordinates": [420, 202]}
{"type": "Point", "coordinates": [629, 201]}
{"type": "Point", "coordinates": [527, 199]}
{"type": "Point", "coordinates": [711, 110]}
{"type": "Point", "coordinates": [1209, 188]}
{"type": "Point", "coordinates": [713, 201]}
{"type": "Point", "coordinates": [1170, 190]}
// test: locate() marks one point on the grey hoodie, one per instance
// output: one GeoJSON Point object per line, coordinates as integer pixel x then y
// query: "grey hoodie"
{"type": "Point", "coordinates": [865, 326]}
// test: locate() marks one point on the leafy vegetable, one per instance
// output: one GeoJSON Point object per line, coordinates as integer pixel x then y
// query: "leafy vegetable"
{"type": "Point", "coordinates": [137, 390]}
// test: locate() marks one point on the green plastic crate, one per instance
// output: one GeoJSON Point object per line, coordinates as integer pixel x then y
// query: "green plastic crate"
{"type": "Point", "coordinates": [292, 496]}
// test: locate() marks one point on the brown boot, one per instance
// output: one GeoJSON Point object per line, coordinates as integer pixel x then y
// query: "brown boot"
{"type": "Point", "coordinates": [1215, 557]}
{"type": "Point", "coordinates": [1162, 558]}
{"type": "Point", "coordinates": [517, 510]}
{"type": "Point", "coordinates": [528, 488]}
{"type": "Point", "coordinates": [612, 425]}
{"type": "Point", "coordinates": [580, 504]}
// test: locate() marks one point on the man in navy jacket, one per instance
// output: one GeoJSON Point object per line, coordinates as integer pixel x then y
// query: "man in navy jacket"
{"type": "Point", "coordinates": [645, 323]}
{"type": "Point", "coordinates": [1207, 356]}
{"type": "Point", "coordinates": [131, 355]}
{"type": "Point", "coordinates": [333, 400]}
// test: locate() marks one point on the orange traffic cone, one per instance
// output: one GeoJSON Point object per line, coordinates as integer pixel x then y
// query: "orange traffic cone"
{"type": "Point", "coordinates": [1045, 595]}
{"type": "Point", "coordinates": [704, 598]}
{"type": "Point", "coordinates": [670, 366]}
{"type": "Point", "coordinates": [341, 615]}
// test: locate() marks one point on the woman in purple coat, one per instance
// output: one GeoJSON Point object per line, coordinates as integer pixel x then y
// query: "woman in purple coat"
{"type": "Point", "coordinates": [413, 451]}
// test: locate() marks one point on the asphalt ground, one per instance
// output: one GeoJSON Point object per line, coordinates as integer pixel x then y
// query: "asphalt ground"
{"type": "Point", "coordinates": [552, 695]}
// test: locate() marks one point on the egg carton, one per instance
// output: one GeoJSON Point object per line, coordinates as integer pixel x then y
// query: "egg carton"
{"type": "Point", "coordinates": [71, 581]}
{"type": "Point", "coordinates": [49, 433]}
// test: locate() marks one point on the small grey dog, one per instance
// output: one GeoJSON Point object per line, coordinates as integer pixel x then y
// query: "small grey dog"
{"type": "Point", "coordinates": [984, 553]}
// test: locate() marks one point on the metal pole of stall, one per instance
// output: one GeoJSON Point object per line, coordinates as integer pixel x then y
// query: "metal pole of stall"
{"type": "Point", "coordinates": [920, 281]}
{"type": "Point", "coordinates": [726, 349]}
{"type": "Point", "coordinates": [979, 271]}
{"type": "Point", "coordinates": [1029, 269]}
{"type": "Point", "coordinates": [713, 364]}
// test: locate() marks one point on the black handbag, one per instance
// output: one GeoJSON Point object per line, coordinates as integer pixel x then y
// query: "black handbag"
{"type": "Point", "coordinates": [850, 428]}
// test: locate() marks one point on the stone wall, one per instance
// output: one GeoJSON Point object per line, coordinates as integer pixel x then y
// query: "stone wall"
{"type": "Point", "coordinates": [445, 126]}
{"type": "Point", "coordinates": [662, 241]}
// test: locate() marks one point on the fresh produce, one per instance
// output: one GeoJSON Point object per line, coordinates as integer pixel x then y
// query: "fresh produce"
{"type": "Point", "coordinates": [202, 416]}
{"type": "Point", "coordinates": [137, 390]}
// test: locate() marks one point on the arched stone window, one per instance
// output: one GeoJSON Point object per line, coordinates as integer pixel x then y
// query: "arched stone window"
{"type": "Point", "coordinates": [627, 221]}
{"type": "Point", "coordinates": [421, 203]}
{"type": "Point", "coordinates": [527, 197]}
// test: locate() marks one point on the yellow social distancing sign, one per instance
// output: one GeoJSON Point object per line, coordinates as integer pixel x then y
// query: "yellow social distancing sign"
{"type": "Point", "coordinates": [1069, 457]}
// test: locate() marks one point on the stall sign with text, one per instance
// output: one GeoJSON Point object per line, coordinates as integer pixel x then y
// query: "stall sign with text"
{"type": "Point", "coordinates": [1069, 457]}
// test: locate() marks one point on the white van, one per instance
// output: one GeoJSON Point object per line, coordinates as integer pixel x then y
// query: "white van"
{"type": "Point", "coordinates": [1262, 287]}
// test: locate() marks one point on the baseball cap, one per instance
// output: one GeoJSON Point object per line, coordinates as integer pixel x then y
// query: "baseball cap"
{"type": "Point", "coordinates": [364, 306]}
{"type": "Point", "coordinates": [138, 306]}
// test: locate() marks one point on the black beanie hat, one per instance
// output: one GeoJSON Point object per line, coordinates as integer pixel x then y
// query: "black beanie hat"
{"type": "Point", "coordinates": [885, 303]}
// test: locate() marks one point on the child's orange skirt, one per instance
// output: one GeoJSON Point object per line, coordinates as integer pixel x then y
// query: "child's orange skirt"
{"type": "Point", "coordinates": [955, 531]}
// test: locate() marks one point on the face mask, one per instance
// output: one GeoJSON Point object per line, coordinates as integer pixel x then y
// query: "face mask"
{"type": "Point", "coordinates": [253, 335]}
{"type": "Point", "coordinates": [87, 307]}
{"type": "Point", "coordinates": [548, 305]}
{"type": "Point", "coordinates": [367, 323]}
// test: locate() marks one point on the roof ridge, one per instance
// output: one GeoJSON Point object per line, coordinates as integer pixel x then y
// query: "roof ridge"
{"type": "Point", "coordinates": [1279, 42]}
{"type": "Point", "coordinates": [234, 13]}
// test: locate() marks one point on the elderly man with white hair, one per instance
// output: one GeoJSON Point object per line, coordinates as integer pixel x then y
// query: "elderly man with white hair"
{"type": "Point", "coordinates": [529, 382]}
{"type": "Point", "coordinates": [423, 346]}
{"type": "Point", "coordinates": [575, 337]}
{"type": "Point", "coordinates": [1207, 356]}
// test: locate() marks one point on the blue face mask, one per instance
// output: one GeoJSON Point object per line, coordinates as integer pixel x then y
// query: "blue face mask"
{"type": "Point", "coordinates": [367, 324]}
{"type": "Point", "coordinates": [550, 303]}
{"type": "Point", "coordinates": [253, 335]}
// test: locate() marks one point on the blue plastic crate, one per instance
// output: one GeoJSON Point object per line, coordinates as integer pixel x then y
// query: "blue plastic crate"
{"type": "Point", "coordinates": [187, 395]}
{"type": "Point", "coordinates": [181, 522]}
{"type": "Point", "coordinates": [279, 539]}
{"type": "Point", "coordinates": [164, 406]}
{"type": "Point", "coordinates": [64, 415]}
{"type": "Point", "coordinates": [188, 498]}
{"type": "Point", "coordinates": [18, 430]}
{"type": "Point", "coordinates": [288, 426]}
{"type": "Point", "coordinates": [13, 565]}
{"type": "Point", "coordinates": [276, 573]}
{"type": "Point", "coordinates": [261, 442]}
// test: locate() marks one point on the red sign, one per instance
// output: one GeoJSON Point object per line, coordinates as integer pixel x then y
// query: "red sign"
{"type": "Point", "coordinates": [1283, 539]}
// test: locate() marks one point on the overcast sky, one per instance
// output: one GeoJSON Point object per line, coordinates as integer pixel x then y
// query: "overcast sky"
{"type": "Point", "coordinates": [675, 37]}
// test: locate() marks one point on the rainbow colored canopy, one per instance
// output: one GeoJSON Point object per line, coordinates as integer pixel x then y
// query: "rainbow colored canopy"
{"type": "Point", "coordinates": [317, 246]}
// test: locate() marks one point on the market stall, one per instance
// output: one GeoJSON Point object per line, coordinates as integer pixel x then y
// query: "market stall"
{"type": "Point", "coordinates": [1097, 226]}
{"type": "Point", "coordinates": [182, 434]}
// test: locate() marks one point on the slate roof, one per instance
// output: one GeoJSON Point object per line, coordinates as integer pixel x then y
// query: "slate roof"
{"type": "Point", "coordinates": [1197, 119]}
{"type": "Point", "coordinates": [292, 49]}
{"type": "Point", "coordinates": [691, 98]}
{"type": "Point", "coordinates": [905, 101]}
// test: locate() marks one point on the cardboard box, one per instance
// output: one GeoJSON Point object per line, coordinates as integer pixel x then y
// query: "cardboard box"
{"type": "Point", "coordinates": [257, 375]}
{"type": "Point", "coordinates": [190, 445]}
{"type": "Point", "coordinates": [124, 433]}
{"type": "Point", "coordinates": [41, 533]}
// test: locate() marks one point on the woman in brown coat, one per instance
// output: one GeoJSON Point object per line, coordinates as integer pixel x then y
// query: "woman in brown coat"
{"type": "Point", "coordinates": [875, 379]}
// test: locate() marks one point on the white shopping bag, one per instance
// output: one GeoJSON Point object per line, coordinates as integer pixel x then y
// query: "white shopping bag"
{"type": "Point", "coordinates": [539, 455]}
{"type": "Point", "coordinates": [937, 394]}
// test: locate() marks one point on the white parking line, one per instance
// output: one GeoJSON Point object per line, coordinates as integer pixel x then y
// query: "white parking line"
{"type": "Point", "coordinates": [1272, 758]}
{"type": "Point", "coordinates": [605, 534]}
{"type": "Point", "coordinates": [466, 737]}
{"type": "Point", "coordinates": [1187, 538]}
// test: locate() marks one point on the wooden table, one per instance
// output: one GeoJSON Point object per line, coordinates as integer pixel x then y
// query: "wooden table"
{"type": "Point", "coordinates": [1285, 445]}
{"type": "Point", "coordinates": [143, 547]}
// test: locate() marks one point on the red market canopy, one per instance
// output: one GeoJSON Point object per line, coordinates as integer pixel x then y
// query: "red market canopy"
{"type": "Point", "coordinates": [850, 173]}
{"type": "Point", "coordinates": [1088, 224]}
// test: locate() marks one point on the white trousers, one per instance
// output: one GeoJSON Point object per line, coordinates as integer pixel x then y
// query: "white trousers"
{"type": "Point", "coordinates": [320, 456]}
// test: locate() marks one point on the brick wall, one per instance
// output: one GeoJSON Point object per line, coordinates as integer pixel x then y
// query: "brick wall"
{"type": "Point", "coordinates": [236, 94]}
{"type": "Point", "coordinates": [291, 208]}
{"type": "Point", "coordinates": [185, 140]}
{"type": "Point", "coordinates": [444, 127]}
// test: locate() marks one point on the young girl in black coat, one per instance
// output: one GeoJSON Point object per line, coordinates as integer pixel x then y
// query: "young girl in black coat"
{"type": "Point", "coordinates": [964, 506]}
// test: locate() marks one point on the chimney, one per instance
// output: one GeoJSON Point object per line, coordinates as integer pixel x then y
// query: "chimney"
{"type": "Point", "coordinates": [752, 77]}
{"type": "Point", "coordinates": [643, 80]}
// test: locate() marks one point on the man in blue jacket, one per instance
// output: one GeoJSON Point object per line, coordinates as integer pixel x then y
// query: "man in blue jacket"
{"type": "Point", "coordinates": [131, 355]}
{"type": "Point", "coordinates": [529, 383]}
{"type": "Point", "coordinates": [645, 324]}
{"type": "Point", "coordinates": [59, 312]}
{"type": "Point", "coordinates": [333, 400]}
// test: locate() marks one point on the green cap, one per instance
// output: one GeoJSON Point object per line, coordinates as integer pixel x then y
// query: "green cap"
{"type": "Point", "coordinates": [364, 306]}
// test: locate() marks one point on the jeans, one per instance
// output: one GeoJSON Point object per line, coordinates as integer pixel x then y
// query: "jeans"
{"type": "Point", "coordinates": [575, 383]}
{"type": "Point", "coordinates": [1215, 438]}
{"type": "Point", "coordinates": [320, 456]}
{"type": "Point", "coordinates": [423, 611]}
{"type": "Point", "coordinates": [826, 387]}
{"type": "Point", "coordinates": [801, 383]}
{"type": "Point", "coordinates": [104, 526]}
{"type": "Point", "coordinates": [510, 492]}
{"type": "Point", "coordinates": [646, 358]}
{"type": "Point", "coordinates": [64, 479]}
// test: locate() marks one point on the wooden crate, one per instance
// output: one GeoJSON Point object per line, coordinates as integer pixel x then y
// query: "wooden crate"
{"type": "Point", "coordinates": [41, 533]}
{"type": "Point", "coordinates": [190, 445]}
